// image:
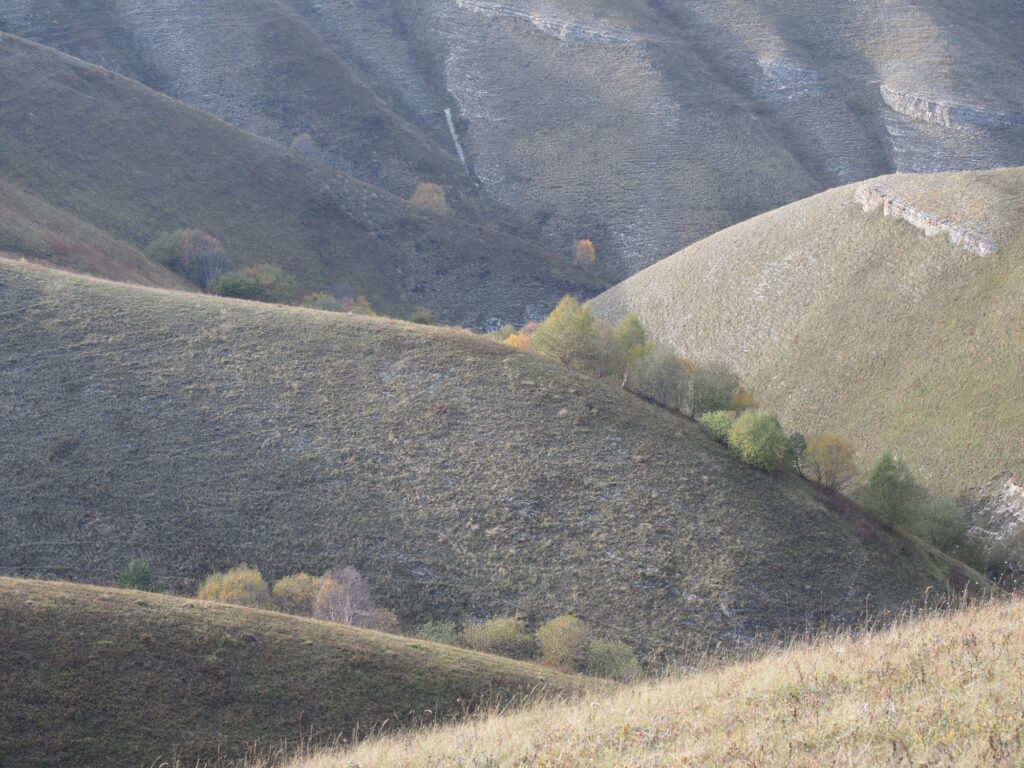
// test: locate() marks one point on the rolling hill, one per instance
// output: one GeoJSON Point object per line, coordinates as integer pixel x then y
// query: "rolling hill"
{"type": "Point", "coordinates": [108, 677]}
{"type": "Point", "coordinates": [844, 314]}
{"type": "Point", "coordinates": [135, 163]}
{"type": "Point", "coordinates": [463, 478]}
{"type": "Point", "coordinates": [570, 113]}
{"type": "Point", "coordinates": [943, 691]}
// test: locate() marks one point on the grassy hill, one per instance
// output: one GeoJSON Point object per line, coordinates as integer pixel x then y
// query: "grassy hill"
{"type": "Point", "coordinates": [135, 163]}
{"type": "Point", "coordinates": [934, 691]}
{"type": "Point", "coordinates": [571, 112]}
{"type": "Point", "coordinates": [856, 321]}
{"type": "Point", "coordinates": [464, 479]}
{"type": "Point", "coordinates": [108, 677]}
{"type": "Point", "coordinates": [33, 228]}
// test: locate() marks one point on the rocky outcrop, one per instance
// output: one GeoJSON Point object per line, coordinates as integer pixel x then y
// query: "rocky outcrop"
{"type": "Point", "coordinates": [949, 114]}
{"type": "Point", "coordinates": [874, 196]}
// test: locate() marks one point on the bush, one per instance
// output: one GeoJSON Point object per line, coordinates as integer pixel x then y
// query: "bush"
{"type": "Point", "coordinates": [584, 254]}
{"type": "Point", "coordinates": [423, 317]}
{"type": "Point", "coordinates": [136, 575]}
{"type": "Point", "coordinates": [445, 632]}
{"type": "Point", "coordinates": [297, 593]}
{"type": "Point", "coordinates": [612, 659]}
{"type": "Point", "coordinates": [360, 305]}
{"type": "Point", "coordinates": [758, 439]}
{"type": "Point", "coordinates": [323, 301]}
{"type": "Point", "coordinates": [797, 452]}
{"type": "Point", "coordinates": [239, 586]}
{"type": "Point", "coordinates": [344, 597]}
{"type": "Point", "coordinates": [619, 347]}
{"type": "Point", "coordinates": [564, 643]}
{"type": "Point", "coordinates": [267, 282]}
{"type": "Point", "coordinates": [717, 424]}
{"type": "Point", "coordinates": [714, 388]}
{"type": "Point", "coordinates": [893, 493]}
{"type": "Point", "coordinates": [503, 333]}
{"type": "Point", "coordinates": [568, 335]}
{"type": "Point", "coordinates": [430, 197]}
{"type": "Point", "coordinates": [662, 377]}
{"type": "Point", "coordinates": [193, 254]}
{"type": "Point", "coordinates": [831, 460]}
{"type": "Point", "coordinates": [524, 337]}
{"type": "Point", "coordinates": [505, 636]}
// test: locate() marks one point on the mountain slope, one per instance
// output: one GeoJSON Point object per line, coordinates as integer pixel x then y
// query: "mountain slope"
{"type": "Point", "coordinates": [844, 315]}
{"type": "Point", "coordinates": [106, 677]}
{"type": "Point", "coordinates": [135, 163]}
{"type": "Point", "coordinates": [942, 690]}
{"type": "Point", "coordinates": [571, 112]}
{"type": "Point", "coordinates": [464, 479]}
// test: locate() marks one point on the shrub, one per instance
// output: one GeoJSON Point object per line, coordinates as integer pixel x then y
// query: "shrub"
{"type": "Point", "coordinates": [297, 593]}
{"type": "Point", "coordinates": [423, 317]}
{"type": "Point", "coordinates": [797, 451]}
{"type": "Point", "coordinates": [430, 197]}
{"type": "Point", "coordinates": [383, 620]}
{"type": "Point", "coordinates": [743, 400]}
{"type": "Point", "coordinates": [584, 254]}
{"type": "Point", "coordinates": [193, 254]}
{"type": "Point", "coordinates": [612, 659]}
{"type": "Point", "coordinates": [757, 438]}
{"type": "Point", "coordinates": [360, 305]}
{"type": "Point", "coordinates": [344, 597]}
{"type": "Point", "coordinates": [324, 301]}
{"type": "Point", "coordinates": [440, 632]}
{"type": "Point", "coordinates": [714, 388]}
{"type": "Point", "coordinates": [831, 460]}
{"type": "Point", "coordinates": [568, 335]}
{"type": "Point", "coordinates": [524, 337]}
{"type": "Point", "coordinates": [564, 643]}
{"type": "Point", "coordinates": [717, 424]}
{"type": "Point", "coordinates": [662, 377]}
{"type": "Point", "coordinates": [505, 636]}
{"type": "Point", "coordinates": [619, 347]}
{"type": "Point", "coordinates": [267, 282]}
{"type": "Point", "coordinates": [239, 586]}
{"type": "Point", "coordinates": [503, 333]}
{"type": "Point", "coordinates": [136, 575]}
{"type": "Point", "coordinates": [893, 493]}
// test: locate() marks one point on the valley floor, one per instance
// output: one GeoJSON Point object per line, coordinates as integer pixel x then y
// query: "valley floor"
{"type": "Point", "coordinates": [937, 691]}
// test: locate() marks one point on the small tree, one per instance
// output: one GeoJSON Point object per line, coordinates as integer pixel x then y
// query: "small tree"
{"type": "Point", "coordinates": [344, 597]}
{"type": "Point", "coordinates": [797, 451]}
{"type": "Point", "coordinates": [831, 460]}
{"type": "Point", "coordinates": [893, 493]}
{"type": "Point", "coordinates": [620, 347]}
{"type": "Point", "coordinates": [612, 659]}
{"type": "Point", "coordinates": [505, 636]}
{"type": "Point", "coordinates": [663, 377]}
{"type": "Point", "coordinates": [297, 593]}
{"type": "Point", "coordinates": [323, 301]}
{"type": "Point", "coordinates": [192, 253]}
{"type": "Point", "coordinates": [717, 424]}
{"type": "Point", "coordinates": [568, 335]}
{"type": "Point", "coordinates": [136, 575]}
{"type": "Point", "coordinates": [584, 254]}
{"type": "Point", "coordinates": [758, 439]}
{"type": "Point", "coordinates": [523, 337]}
{"type": "Point", "coordinates": [267, 282]}
{"type": "Point", "coordinates": [445, 632]}
{"type": "Point", "coordinates": [564, 643]}
{"type": "Point", "coordinates": [239, 586]}
{"type": "Point", "coordinates": [714, 388]}
{"type": "Point", "coordinates": [430, 197]}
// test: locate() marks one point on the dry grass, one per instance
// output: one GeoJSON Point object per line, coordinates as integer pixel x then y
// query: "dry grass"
{"type": "Point", "coordinates": [853, 322]}
{"type": "Point", "coordinates": [108, 677]}
{"type": "Point", "coordinates": [945, 690]}
{"type": "Point", "coordinates": [464, 479]}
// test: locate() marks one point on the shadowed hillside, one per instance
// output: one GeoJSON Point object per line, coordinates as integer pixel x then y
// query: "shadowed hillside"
{"type": "Point", "coordinates": [844, 314]}
{"type": "Point", "coordinates": [642, 125]}
{"type": "Point", "coordinates": [463, 478]}
{"type": "Point", "coordinates": [135, 163]}
{"type": "Point", "coordinates": [107, 677]}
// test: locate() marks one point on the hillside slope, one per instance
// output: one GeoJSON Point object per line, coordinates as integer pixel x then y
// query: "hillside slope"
{"type": "Point", "coordinates": [843, 314]}
{"type": "Point", "coordinates": [571, 112]}
{"type": "Point", "coordinates": [930, 691]}
{"type": "Point", "coordinates": [463, 478]}
{"type": "Point", "coordinates": [135, 163]}
{"type": "Point", "coordinates": [107, 677]}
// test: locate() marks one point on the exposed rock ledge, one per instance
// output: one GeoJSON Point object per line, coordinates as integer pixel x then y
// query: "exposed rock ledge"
{"type": "Point", "coordinates": [570, 31]}
{"type": "Point", "coordinates": [874, 196]}
{"type": "Point", "coordinates": [949, 114]}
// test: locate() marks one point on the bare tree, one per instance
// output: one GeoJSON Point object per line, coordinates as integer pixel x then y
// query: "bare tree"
{"type": "Point", "coordinates": [345, 598]}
